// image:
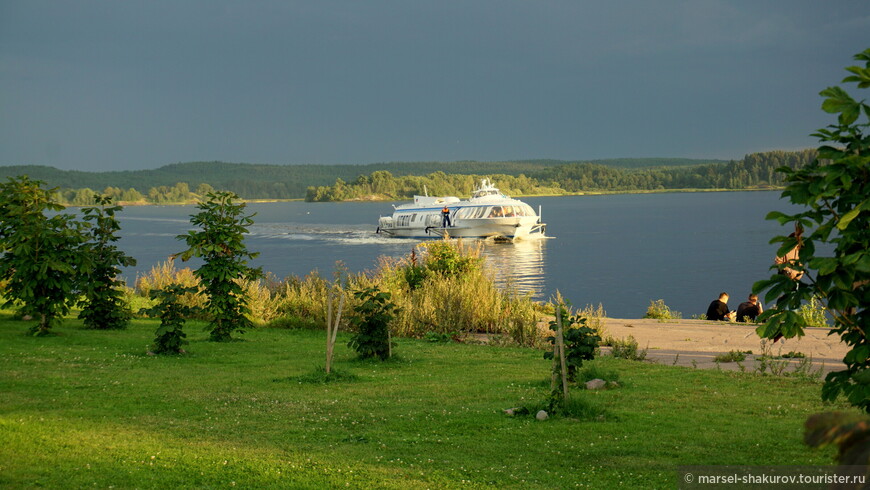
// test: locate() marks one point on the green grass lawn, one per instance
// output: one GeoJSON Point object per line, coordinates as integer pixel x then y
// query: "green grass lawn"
{"type": "Point", "coordinates": [90, 408]}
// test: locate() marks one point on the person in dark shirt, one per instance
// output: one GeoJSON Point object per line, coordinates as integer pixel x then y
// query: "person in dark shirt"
{"type": "Point", "coordinates": [445, 217]}
{"type": "Point", "coordinates": [749, 310]}
{"type": "Point", "coordinates": [718, 309]}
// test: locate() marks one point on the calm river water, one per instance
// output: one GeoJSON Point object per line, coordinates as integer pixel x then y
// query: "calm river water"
{"type": "Point", "coordinates": [618, 250]}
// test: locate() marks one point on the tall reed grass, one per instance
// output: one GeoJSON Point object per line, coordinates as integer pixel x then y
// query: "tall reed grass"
{"type": "Point", "coordinates": [164, 274]}
{"type": "Point", "coordinates": [442, 287]}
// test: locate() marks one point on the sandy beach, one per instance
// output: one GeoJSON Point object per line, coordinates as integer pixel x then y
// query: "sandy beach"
{"type": "Point", "coordinates": [697, 342]}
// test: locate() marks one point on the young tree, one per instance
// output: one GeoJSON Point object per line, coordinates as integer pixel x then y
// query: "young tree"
{"type": "Point", "coordinates": [372, 317]}
{"type": "Point", "coordinates": [835, 192]}
{"type": "Point", "coordinates": [220, 243]}
{"type": "Point", "coordinates": [169, 337]}
{"type": "Point", "coordinates": [41, 253]}
{"type": "Point", "coordinates": [103, 305]}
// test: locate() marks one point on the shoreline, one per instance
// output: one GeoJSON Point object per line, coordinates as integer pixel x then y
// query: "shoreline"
{"type": "Point", "coordinates": [696, 343]}
{"type": "Point", "coordinates": [567, 194]}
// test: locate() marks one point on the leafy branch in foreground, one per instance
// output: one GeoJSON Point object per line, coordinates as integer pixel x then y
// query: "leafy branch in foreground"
{"type": "Point", "coordinates": [834, 190]}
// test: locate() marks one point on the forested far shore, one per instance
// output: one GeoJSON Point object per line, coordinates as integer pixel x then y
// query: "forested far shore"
{"type": "Point", "coordinates": [755, 171]}
{"type": "Point", "coordinates": [186, 182]}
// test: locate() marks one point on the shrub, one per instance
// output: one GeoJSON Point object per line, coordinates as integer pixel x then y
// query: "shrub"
{"type": "Point", "coordinates": [440, 304]}
{"type": "Point", "coordinates": [732, 356]}
{"type": "Point", "coordinates": [594, 316]}
{"type": "Point", "coordinates": [372, 321]}
{"type": "Point", "coordinates": [464, 302]}
{"type": "Point", "coordinates": [580, 341]}
{"type": "Point", "coordinates": [451, 258]}
{"type": "Point", "coordinates": [263, 301]}
{"type": "Point", "coordinates": [813, 313]}
{"type": "Point", "coordinates": [165, 274]}
{"type": "Point", "coordinates": [627, 348]}
{"type": "Point", "coordinates": [793, 355]}
{"type": "Point", "coordinates": [658, 309]}
{"type": "Point", "coordinates": [172, 313]}
{"type": "Point", "coordinates": [302, 298]}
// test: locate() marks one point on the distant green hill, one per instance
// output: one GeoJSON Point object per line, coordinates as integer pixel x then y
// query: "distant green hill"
{"type": "Point", "coordinates": [180, 182]}
{"type": "Point", "coordinates": [291, 181]}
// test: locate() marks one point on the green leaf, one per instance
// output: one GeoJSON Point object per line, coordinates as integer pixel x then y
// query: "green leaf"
{"type": "Point", "coordinates": [851, 215]}
{"type": "Point", "coordinates": [824, 265]}
{"type": "Point", "coordinates": [836, 100]}
{"type": "Point", "coordinates": [782, 218]}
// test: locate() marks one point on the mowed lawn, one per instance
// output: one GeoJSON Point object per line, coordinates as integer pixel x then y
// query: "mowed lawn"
{"type": "Point", "coordinates": [90, 408]}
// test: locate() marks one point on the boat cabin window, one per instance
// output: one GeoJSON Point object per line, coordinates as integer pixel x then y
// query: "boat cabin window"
{"type": "Point", "coordinates": [403, 220]}
{"type": "Point", "coordinates": [471, 212]}
{"type": "Point", "coordinates": [499, 212]}
{"type": "Point", "coordinates": [477, 212]}
{"type": "Point", "coordinates": [413, 217]}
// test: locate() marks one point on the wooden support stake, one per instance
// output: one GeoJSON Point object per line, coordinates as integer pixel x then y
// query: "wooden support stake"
{"type": "Point", "coordinates": [332, 329]}
{"type": "Point", "coordinates": [555, 366]}
{"type": "Point", "coordinates": [328, 330]}
{"type": "Point", "coordinates": [560, 340]}
{"type": "Point", "coordinates": [337, 321]}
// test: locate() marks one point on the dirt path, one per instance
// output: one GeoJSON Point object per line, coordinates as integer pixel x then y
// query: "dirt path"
{"type": "Point", "coordinates": [697, 342]}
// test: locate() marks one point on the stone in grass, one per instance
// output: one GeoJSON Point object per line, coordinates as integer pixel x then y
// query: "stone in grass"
{"type": "Point", "coordinates": [542, 415]}
{"type": "Point", "coordinates": [596, 384]}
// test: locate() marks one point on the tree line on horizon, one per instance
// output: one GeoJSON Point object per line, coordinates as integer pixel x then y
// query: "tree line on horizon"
{"type": "Point", "coordinates": [755, 171]}
{"type": "Point", "coordinates": [187, 182]}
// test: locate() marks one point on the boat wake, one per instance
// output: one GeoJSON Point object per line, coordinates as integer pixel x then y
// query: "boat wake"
{"type": "Point", "coordinates": [337, 234]}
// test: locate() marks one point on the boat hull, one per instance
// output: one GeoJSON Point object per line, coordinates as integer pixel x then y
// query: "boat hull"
{"type": "Point", "coordinates": [474, 228]}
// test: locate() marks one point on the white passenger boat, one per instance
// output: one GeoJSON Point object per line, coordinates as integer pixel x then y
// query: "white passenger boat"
{"type": "Point", "coordinates": [488, 213]}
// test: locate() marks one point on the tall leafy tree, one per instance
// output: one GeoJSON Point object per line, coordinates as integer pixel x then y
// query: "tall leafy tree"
{"type": "Point", "coordinates": [834, 191]}
{"type": "Point", "coordinates": [41, 252]}
{"type": "Point", "coordinates": [103, 305]}
{"type": "Point", "coordinates": [219, 241]}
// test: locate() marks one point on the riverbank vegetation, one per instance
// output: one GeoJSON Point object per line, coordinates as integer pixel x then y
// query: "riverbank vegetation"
{"type": "Point", "coordinates": [186, 182]}
{"type": "Point", "coordinates": [441, 288]}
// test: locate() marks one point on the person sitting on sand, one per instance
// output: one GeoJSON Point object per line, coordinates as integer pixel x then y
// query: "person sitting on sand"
{"type": "Point", "coordinates": [718, 309]}
{"type": "Point", "coordinates": [750, 309]}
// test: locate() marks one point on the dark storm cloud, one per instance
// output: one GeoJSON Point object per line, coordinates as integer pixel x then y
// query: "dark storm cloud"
{"type": "Point", "coordinates": [97, 85]}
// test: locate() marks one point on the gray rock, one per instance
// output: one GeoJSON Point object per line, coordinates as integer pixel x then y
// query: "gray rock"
{"type": "Point", "coordinates": [542, 415]}
{"type": "Point", "coordinates": [596, 384]}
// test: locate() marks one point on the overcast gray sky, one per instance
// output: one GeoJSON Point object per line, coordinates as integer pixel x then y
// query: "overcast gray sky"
{"type": "Point", "coordinates": [100, 85]}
